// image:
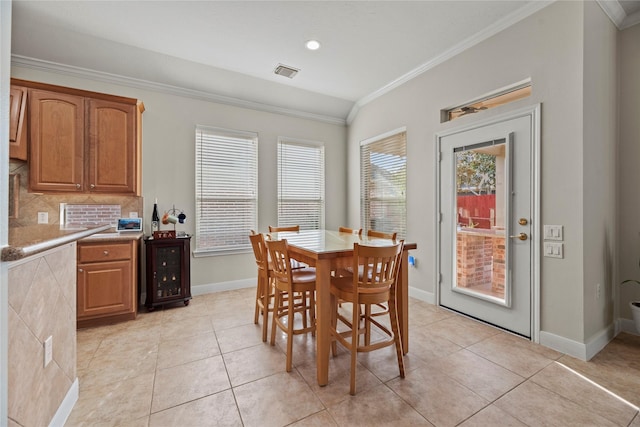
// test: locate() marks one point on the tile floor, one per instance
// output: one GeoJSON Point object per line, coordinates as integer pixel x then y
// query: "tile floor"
{"type": "Point", "coordinates": [206, 365]}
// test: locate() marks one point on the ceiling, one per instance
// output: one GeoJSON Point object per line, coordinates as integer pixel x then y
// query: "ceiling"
{"type": "Point", "coordinates": [227, 50]}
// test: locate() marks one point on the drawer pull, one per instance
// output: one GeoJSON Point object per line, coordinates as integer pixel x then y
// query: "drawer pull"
{"type": "Point", "coordinates": [80, 270]}
{"type": "Point", "coordinates": [106, 253]}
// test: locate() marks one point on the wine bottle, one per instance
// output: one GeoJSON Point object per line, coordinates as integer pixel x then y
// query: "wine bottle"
{"type": "Point", "coordinates": [155, 218]}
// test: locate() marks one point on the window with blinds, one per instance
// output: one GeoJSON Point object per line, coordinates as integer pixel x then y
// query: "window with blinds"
{"type": "Point", "coordinates": [383, 175]}
{"type": "Point", "coordinates": [226, 190]}
{"type": "Point", "coordinates": [301, 184]}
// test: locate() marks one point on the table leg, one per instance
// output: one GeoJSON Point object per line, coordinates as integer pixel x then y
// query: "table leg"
{"type": "Point", "coordinates": [402, 300]}
{"type": "Point", "coordinates": [323, 319]}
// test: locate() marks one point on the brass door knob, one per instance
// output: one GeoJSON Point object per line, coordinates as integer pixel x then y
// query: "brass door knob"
{"type": "Point", "coordinates": [523, 221]}
{"type": "Point", "coordinates": [521, 236]}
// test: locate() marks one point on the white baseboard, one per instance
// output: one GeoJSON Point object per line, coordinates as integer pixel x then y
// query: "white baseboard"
{"type": "Point", "coordinates": [65, 408]}
{"type": "Point", "coordinates": [582, 351]}
{"type": "Point", "coordinates": [223, 286]}
{"type": "Point", "coordinates": [422, 295]}
{"type": "Point", "coordinates": [628, 326]}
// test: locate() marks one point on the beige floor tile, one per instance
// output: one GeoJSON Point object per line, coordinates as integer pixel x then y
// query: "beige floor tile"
{"type": "Point", "coordinates": [277, 400]}
{"type": "Point", "coordinates": [492, 416]}
{"type": "Point", "coordinates": [230, 319]}
{"type": "Point", "coordinates": [535, 405]}
{"type": "Point", "coordinates": [185, 328]}
{"type": "Point", "coordinates": [180, 384]}
{"type": "Point", "coordinates": [110, 366]}
{"type": "Point", "coordinates": [427, 346]}
{"type": "Point", "coordinates": [183, 350]}
{"type": "Point", "coordinates": [478, 374]}
{"type": "Point", "coordinates": [113, 404]}
{"type": "Point", "coordinates": [215, 410]}
{"type": "Point", "coordinates": [138, 422]}
{"type": "Point", "coordinates": [439, 398]}
{"type": "Point", "coordinates": [636, 421]}
{"type": "Point", "coordinates": [196, 308]}
{"type": "Point", "coordinates": [338, 387]}
{"type": "Point", "coordinates": [463, 331]}
{"type": "Point", "coordinates": [513, 353]}
{"type": "Point", "coordinates": [253, 363]}
{"type": "Point", "coordinates": [239, 337]}
{"type": "Point", "coordinates": [383, 363]}
{"type": "Point", "coordinates": [320, 419]}
{"type": "Point", "coordinates": [576, 388]}
{"type": "Point", "coordinates": [378, 406]}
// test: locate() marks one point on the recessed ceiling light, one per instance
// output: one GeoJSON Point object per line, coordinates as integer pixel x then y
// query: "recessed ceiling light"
{"type": "Point", "coordinates": [312, 45]}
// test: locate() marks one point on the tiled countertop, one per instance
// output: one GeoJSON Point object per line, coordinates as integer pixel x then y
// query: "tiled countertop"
{"type": "Point", "coordinates": [33, 239]}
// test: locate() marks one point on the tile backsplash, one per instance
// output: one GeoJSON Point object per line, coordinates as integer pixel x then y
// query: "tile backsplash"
{"type": "Point", "coordinates": [91, 214]}
{"type": "Point", "coordinates": [29, 204]}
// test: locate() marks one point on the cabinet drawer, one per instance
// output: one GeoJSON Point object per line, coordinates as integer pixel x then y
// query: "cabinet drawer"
{"type": "Point", "coordinates": [103, 252]}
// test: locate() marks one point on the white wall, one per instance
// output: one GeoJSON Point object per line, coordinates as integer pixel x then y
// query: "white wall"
{"type": "Point", "coordinates": [168, 160]}
{"type": "Point", "coordinates": [599, 173]}
{"type": "Point", "coordinates": [629, 170]}
{"type": "Point", "coordinates": [548, 48]}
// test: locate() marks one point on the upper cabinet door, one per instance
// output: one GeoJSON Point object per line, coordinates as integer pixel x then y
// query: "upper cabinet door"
{"type": "Point", "coordinates": [17, 130]}
{"type": "Point", "coordinates": [56, 124]}
{"type": "Point", "coordinates": [112, 147]}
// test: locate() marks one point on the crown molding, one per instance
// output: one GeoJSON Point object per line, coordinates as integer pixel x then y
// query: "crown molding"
{"type": "Point", "coordinates": [468, 43]}
{"type": "Point", "coordinates": [614, 11]}
{"type": "Point", "coordinates": [70, 70]}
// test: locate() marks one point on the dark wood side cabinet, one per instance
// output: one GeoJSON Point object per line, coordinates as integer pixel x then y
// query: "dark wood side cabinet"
{"type": "Point", "coordinates": [168, 271]}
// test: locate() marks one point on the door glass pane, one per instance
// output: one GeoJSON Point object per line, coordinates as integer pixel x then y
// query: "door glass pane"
{"type": "Point", "coordinates": [481, 210]}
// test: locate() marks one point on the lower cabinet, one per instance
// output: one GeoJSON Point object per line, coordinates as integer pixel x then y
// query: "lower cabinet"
{"type": "Point", "coordinates": [107, 282]}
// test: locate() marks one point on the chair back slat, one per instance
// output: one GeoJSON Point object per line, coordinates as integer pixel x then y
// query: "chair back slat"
{"type": "Point", "coordinates": [259, 250]}
{"type": "Point", "coordinates": [381, 234]}
{"type": "Point", "coordinates": [275, 229]}
{"type": "Point", "coordinates": [280, 262]}
{"type": "Point", "coordinates": [380, 267]}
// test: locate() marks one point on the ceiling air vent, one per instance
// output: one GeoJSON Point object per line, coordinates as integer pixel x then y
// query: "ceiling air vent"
{"type": "Point", "coordinates": [285, 70]}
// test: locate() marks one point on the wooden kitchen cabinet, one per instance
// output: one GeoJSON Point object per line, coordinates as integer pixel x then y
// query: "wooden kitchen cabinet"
{"type": "Point", "coordinates": [18, 123]}
{"type": "Point", "coordinates": [83, 142]}
{"type": "Point", "coordinates": [168, 271]}
{"type": "Point", "coordinates": [56, 130]}
{"type": "Point", "coordinates": [107, 282]}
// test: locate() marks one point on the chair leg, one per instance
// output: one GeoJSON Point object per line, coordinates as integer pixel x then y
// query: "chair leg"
{"type": "Point", "coordinates": [393, 313]}
{"type": "Point", "coordinates": [354, 347]}
{"type": "Point", "coordinates": [334, 324]}
{"type": "Point", "coordinates": [312, 311]}
{"type": "Point", "coordinates": [265, 311]}
{"type": "Point", "coordinates": [258, 294]}
{"type": "Point", "coordinates": [367, 324]}
{"type": "Point", "coordinates": [290, 322]}
{"type": "Point", "coordinates": [277, 301]}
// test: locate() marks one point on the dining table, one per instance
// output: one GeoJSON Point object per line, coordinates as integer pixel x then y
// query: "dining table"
{"type": "Point", "coordinates": [326, 250]}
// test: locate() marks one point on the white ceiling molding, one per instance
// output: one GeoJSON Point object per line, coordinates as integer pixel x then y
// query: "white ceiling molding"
{"type": "Point", "coordinates": [38, 64]}
{"type": "Point", "coordinates": [617, 14]}
{"type": "Point", "coordinates": [490, 31]}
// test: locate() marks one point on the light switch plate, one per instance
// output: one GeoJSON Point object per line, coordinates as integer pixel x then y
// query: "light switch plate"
{"type": "Point", "coordinates": [553, 232]}
{"type": "Point", "coordinates": [554, 249]}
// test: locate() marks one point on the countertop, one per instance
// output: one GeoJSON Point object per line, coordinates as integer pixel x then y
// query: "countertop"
{"type": "Point", "coordinates": [33, 239]}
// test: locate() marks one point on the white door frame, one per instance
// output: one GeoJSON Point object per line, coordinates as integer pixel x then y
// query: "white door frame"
{"type": "Point", "coordinates": [534, 113]}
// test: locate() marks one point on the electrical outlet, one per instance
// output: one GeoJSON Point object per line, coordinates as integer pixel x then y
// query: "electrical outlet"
{"type": "Point", "coordinates": [43, 217]}
{"type": "Point", "coordinates": [133, 214]}
{"type": "Point", "coordinates": [48, 350]}
{"type": "Point", "coordinates": [554, 250]}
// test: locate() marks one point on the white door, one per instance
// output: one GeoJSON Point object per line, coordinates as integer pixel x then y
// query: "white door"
{"type": "Point", "coordinates": [486, 200]}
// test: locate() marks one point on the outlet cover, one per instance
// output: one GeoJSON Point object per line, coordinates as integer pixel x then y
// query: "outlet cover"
{"type": "Point", "coordinates": [43, 217]}
{"type": "Point", "coordinates": [554, 249]}
{"type": "Point", "coordinates": [133, 214]}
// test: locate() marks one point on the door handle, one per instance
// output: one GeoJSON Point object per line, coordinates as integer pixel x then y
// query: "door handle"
{"type": "Point", "coordinates": [521, 236]}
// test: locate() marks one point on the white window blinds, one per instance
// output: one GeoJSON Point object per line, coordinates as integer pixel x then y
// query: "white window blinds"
{"type": "Point", "coordinates": [226, 189]}
{"type": "Point", "coordinates": [300, 184]}
{"type": "Point", "coordinates": [383, 175]}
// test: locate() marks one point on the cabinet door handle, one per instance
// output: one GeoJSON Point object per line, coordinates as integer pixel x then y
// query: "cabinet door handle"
{"type": "Point", "coordinates": [80, 270]}
{"type": "Point", "coordinates": [78, 186]}
{"type": "Point", "coordinates": [105, 253]}
{"type": "Point", "coordinates": [93, 186]}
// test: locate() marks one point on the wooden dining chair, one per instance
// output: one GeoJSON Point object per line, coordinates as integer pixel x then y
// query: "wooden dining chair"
{"type": "Point", "coordinates": [290, 283]}
{"type": "Point", "coordinates": [377, 284]}
{"type": "Point", "coordinates": [350, 230]}
{"type": "Point", "coordinates": [275, 229]}
{"type": "Point", "coordinates": [264, 288]}
{"type": "Point", "coordinates": [381, 234]}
